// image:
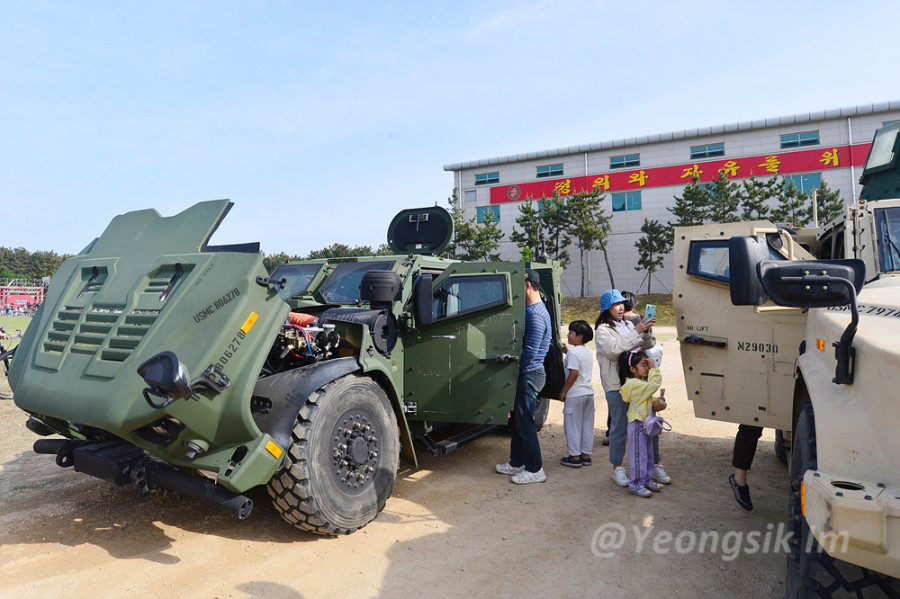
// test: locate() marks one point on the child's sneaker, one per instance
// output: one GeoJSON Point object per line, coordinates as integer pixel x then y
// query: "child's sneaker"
{"type": "Point", "coordinates": [507, 468]}
{"type": "Point", "coordinates": [619, 476]}
{"type": "Point", "coordinates": [641, 492]}
{"type": "Point", "coordinates": [655, 487]}
{"type": "Point", "coordinates": [571, 462]}
{"type": "Point", "coordinates": [659, 474]}
{"type": "Point", "coordinates": [524, 477]}
{"type": "Point", "coordinates": [586, 461]}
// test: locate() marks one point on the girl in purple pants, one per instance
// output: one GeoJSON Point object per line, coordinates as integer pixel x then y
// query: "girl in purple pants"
{"type": "Point", "coordinates": [639, 382]}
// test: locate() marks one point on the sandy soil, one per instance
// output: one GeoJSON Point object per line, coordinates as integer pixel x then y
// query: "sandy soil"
{"type": "Point", "coordinates": [454, 527]}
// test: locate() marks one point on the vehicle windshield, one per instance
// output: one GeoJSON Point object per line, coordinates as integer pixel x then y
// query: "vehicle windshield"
{"type": "Point", "coordinates": [887, 223]}
{"type": "Point", "coordinates": [297, 278]}
{"type": "Point", "coordinates": [342, 286]}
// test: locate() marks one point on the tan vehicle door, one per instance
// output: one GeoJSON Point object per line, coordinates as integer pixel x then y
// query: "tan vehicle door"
{"type": "Point", "coordinates": [738, 360]}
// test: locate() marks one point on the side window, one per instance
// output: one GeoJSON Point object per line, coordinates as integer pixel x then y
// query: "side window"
{"type": "Point", "coordinates": [709, 260]}
{"type": "Point", "coordinates": [463, 294]}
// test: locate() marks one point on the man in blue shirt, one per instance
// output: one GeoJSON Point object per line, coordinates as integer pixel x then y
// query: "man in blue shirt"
{"type": "Point", "coordinates": [525, 463]}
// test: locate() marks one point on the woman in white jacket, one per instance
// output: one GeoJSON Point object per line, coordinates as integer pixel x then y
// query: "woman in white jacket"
{"type": "Point", "coordinates": [613, 336]}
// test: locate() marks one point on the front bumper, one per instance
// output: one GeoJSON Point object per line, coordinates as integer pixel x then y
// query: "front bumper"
{"type": "Point", "coordinates": [855, 521]}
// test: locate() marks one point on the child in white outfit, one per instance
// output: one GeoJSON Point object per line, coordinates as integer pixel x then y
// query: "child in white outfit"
{"type": "Point", "coordinates": [578, 395]}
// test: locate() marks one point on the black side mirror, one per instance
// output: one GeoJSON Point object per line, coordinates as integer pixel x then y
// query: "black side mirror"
{"type": "Point", "coordinates": [166, 377]}
{"type": "Point", "coordinates": [744, 254]}
{"type": "Point", "coordinates": [423, 308]}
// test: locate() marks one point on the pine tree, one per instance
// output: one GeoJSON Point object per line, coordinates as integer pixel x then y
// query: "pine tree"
{"type": "Point", "coordinates": [554, 218]}
{"type": "Point", "coordinates": [830, 204]}
{"type": "Point", "coordinates": [462, 229]}
{"type": "Point", "coordinates": [528, 239]}
{"type": "Point", "coordinates": [649, 246]}
{"type": "Point", "coordinates": [792, 209]}
{"type": "Point", "coordinates": [723, 200]}
{"type": "Point", "coordinates": [485, 238]}
{"type": "Point", "coordinates": [590, 225]}
{"type": "Point", "coordinates": [755, 199]}
{"type": "Point", "coordinates": [688, 210]}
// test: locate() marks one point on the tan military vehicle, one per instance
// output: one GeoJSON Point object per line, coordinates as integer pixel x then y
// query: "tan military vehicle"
{"type": "Point", "coordinates": [800, 331]}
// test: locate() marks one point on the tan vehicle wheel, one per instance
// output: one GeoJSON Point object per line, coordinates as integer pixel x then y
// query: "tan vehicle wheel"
{"type": "Point", "coordinates": [811, 571]}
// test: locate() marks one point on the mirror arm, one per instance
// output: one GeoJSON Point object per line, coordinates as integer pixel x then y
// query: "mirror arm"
{"type": "Point", "coordinates": [157, 406]}
{"type": "Point", "coordinates": [843, 349]}
{"type": "Point", "coordinates": [844, 352]}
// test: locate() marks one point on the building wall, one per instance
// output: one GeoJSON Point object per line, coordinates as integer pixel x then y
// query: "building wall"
{"type": "Point", "coordinates": [844, 127]}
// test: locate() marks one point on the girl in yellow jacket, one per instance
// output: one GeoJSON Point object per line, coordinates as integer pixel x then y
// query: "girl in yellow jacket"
{"type": "Point", "coordinates": [639, 382]}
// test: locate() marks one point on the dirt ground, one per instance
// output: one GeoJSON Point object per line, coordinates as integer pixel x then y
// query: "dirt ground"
{"type": "Point", "coordinates": [454, 527]}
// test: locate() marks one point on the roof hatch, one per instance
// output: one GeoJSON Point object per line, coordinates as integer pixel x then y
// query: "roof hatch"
{"type": "Point", "coordinates": [420, 231]}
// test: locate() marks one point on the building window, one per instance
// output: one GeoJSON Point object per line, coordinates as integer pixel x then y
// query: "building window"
{"type": "Point", "coordinates": [550, 170]}
{"type": "Point", "coordinates": [487, 214]}
{"type": "Point", "coordinates": [487, 178]}
{"type": "Point", "coordinates": [707, 151]}
{"type": "Point", "coordinates": [793, 140]}
{"type": "Point", "coordinates": [806, 183]}
{"type": "Point", "coordinates": [629, 200]}
{"type": "Point", "coordinates": [471, 196]}
{"type": "Point", "coordinates": [625, 161]}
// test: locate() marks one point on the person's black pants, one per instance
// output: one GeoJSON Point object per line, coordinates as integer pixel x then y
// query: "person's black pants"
{"type": "Point", "coordinates": [745, 446]}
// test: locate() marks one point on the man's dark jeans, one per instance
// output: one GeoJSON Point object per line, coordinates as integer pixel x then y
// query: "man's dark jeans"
{"type": "Point", "coordinates": [525, 450]}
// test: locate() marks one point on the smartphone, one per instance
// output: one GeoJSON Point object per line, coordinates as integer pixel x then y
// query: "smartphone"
{"type": "Point", "coordinates": [650, 311]}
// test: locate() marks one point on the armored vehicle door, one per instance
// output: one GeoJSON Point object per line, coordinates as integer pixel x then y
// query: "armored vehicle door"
{"type": "Point", "coordinates": [738, 360]}
{"type": "Point", "coordinates": [463, 366]}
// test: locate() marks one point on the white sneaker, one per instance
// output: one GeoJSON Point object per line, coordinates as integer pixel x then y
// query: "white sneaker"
{"type": "Point", "coordinates": [508, 469]}
{"type": "Point", "coordinates": [660, 476]}
{"type": "Point", "coordinates": [524, 477]}
{"type": "Point", "coordinates": [619, 476]}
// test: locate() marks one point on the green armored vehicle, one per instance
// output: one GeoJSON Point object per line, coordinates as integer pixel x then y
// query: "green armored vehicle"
{"type": "Point", "coordinates": [311, 380]}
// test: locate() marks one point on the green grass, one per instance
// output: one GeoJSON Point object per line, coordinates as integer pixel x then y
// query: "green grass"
{"type": "Point", "coordinates": [588, 308]}
{"type": "Point", "coordinates": [11, 325]}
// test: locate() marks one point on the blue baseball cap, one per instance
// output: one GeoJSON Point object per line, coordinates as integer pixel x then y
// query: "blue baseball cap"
{"type": "Point", "coordinates": [609, 299]}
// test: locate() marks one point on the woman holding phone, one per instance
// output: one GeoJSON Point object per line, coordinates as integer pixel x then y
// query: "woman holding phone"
{"type": "Point", "coordinates": [613, 336]}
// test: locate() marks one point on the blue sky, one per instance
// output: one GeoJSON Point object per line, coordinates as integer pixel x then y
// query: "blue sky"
{"type": "Point", "coordinates": [321, 120]}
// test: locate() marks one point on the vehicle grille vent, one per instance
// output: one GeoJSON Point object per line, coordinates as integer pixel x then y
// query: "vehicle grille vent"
{"type": "Point", "coordinates": [102, 328]}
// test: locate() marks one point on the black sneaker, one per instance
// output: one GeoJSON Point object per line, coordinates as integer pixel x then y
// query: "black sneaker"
{"type": "Point", "coordinates": [571, 462]}
{"type": "Point", "coordinates": [741, 493]}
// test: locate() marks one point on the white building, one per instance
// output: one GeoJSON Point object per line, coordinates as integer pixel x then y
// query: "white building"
{"type": "Point", "coordinates": [641, 177]}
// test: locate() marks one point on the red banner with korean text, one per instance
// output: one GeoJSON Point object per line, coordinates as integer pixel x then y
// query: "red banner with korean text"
{"type": "Point", "coordinates": [781, 163]}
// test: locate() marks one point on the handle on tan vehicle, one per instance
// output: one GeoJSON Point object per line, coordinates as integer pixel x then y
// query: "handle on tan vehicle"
{"type": "Point", "coordinates": [698, 340]}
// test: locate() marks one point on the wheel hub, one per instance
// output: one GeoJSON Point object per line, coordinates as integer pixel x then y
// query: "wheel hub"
{"type": "Point", "coordinates": [354, 451]}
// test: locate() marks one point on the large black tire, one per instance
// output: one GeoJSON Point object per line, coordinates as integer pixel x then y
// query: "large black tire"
{"type": "Point", "coordinates": [782, 447]}
{"type": "Point", "coordinates": [811, 572]}
{"type": "Point", "coordinates": [343, 459]}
